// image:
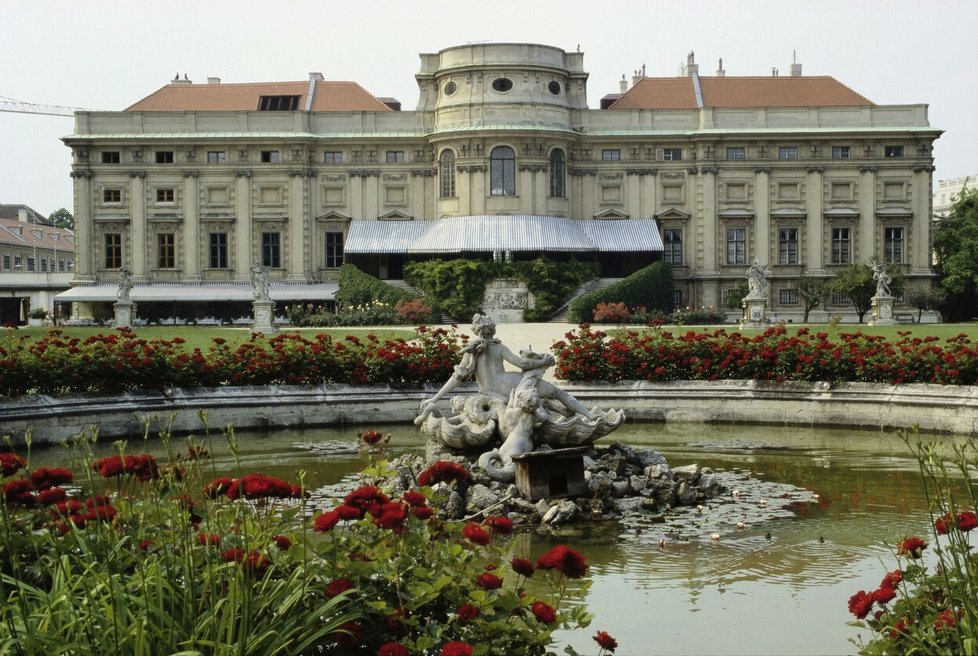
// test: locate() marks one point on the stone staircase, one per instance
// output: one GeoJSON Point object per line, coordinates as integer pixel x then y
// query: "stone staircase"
{"type": "Point", "coordinates": [560, 316]}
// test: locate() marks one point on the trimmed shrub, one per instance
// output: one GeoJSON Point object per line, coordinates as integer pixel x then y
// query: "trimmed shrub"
{"type": "Point", "coordinates": [650, 287]}
{"type": "Point", "coordinates": [359, 288]}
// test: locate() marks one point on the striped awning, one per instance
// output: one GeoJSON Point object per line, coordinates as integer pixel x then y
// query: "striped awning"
{"type": "Point", "coordinates": [186, 292]}
{"type": "Point", "coordinates": [516, 233]}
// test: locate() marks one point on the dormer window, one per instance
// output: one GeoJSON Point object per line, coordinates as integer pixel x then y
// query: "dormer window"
{"type": "Point", "coordinates": [278, 103]}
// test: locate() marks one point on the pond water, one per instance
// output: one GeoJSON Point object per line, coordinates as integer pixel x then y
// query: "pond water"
{"type": "Point", "coordinates": [778, 587]}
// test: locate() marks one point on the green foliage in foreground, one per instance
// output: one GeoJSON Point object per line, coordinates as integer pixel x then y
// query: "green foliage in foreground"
{"type": "Point", "coordinates": [130, 557]}
{"type": "Point", "coordinates": [649, 288]}
{"type": "Point", "coordinates": [922, 608]}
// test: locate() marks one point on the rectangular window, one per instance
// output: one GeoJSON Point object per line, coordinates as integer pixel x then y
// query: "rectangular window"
{"type": "Point", "coordinates": [788, 296]}
{"type": "Point", "coordinates": [165, 195]}
{"type": "Point", "coordinates": [788, 246]}
{"type": "Point", "coordinates": [737, 152]}
{"type": "Point", "coordinates": [333, 157]}
{"type": "Point", "coordinates": [278, 103]}
{"type": "Point", "coordinates": [841, 246]}
{"type": "Point", "coordinates": [6, 262]}
{"type": "Point", "coordinates": [31, 263]}
{"type": "Point", "coordinates": [395, 157]}
{"type": "Point", "coordinates": [892, 151]}
{"type": "Point", "coordinates": [893, 244]}
{"type": "Point", "coordinates": [840, 298]}
{"type": "Point", "coordinates": [736, 246]}
{"type": "Point", "coordinates": [610, 154]}
{"type": "Point", "coordinates": [788, 152]}
{"type": "Point", "coordinates": [672, 154]}
{"type": "Point", "coordinates": [217, 250]}
{"type": "Point", "coordinates": [164, 157]}
{"type": "Point", "coordinates": [673, 242]}
{"type": "Point", "coordinates": [167, 250]}
{"type": "Point", "coordinates": [334, 250]}
{"type": "Point", "coordinates": [271, 250]}
{"type": "Point", "coordinates": [217, 156]}
{"type": "Point", "coordinates": [113, 250]}
{"type": "Point", "coordinates": [44, 264]}
{"type": "Point", "coordinates": [111, 157]}
{"type": "Point", "coordinates": [111, 195]}
{"type": "Point", "coordinates": [840, 152]}
{"type": "Point", "coordinates": [677, 298]}
{"type": "Point", "coordinates": [18, 262]}
{"type": "Point", "coordinates": [270, 157]}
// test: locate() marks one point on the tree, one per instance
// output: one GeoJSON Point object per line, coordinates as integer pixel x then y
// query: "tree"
{"type": "Point", "coordinates": [925, 299]}
{"type": "Point", "coordinates": [956, 243]}
{"type": "Point", "coordinates": [734, 299]}
{"type": "Point", "coordinates": [62, 219]}
{"type": "Point", "coordinates": [812, 292]}
{"type": "Point", "coordinates": [857, 283]}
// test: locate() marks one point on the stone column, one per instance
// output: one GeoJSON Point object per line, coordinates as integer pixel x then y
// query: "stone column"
{"type": "Point", "coordinates": [525, 188]}
{"type": "Point", "coordinates": [137, 224]}
{"type": "Point", "coordinates": [84, 226]}
{"type": "Point", "coordinates": [710, 219]}
{"type": "Point", "coordinates": [297, 239]}
{"type": "Point", "coordinates": [191, 227]}
{"type": "Point", "coordinates": [371, 194]}
{"type": "Point", "coordinates": [762, 214]}
{"type": "Point", "coordinates": [866, 234]}
{"type": "Point", "coordinates": [814, 206]}
{"type": "Point", "coordinates": [920, 254]}
{"type": "Point", "coordinates": [243, 227]}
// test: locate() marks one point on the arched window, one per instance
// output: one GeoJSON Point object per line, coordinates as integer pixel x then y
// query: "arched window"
{"type": "Point", "coordinates": [502, 171]}
{"type": "Point", "coordinates": [558, 188]}
{"type": "Point", "coordinates": [446, 174]}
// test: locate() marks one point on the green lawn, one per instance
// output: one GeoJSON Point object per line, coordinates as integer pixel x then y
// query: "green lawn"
{"type": "Point", "coordinates": [198, 336]}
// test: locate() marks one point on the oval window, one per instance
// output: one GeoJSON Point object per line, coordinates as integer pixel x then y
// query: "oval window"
{"type": "Point", "coordinates": [554, 87]}
{"type": "Point", "coordinates": [450, 88]}
{"type": "Point", "coordinates": [502, 84]}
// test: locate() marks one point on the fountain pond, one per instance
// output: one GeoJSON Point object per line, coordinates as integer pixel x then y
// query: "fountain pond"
{"type": "Point", "coordinates": [777, 586]}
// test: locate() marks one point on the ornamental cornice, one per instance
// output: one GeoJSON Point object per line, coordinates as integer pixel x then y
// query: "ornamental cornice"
{"type": "Point", "coordinates": [709, 169]}
{"type": "Point", "coordinates": [641, 172]}
{"type": "Point", "coordinates": [242, 174]}
{"type": "Point", "coordinates": [191, 174]}
{"type": "Point", "coordinates": [137, 174]}
{"type": "Point", "coordinates": [423, 173]}
{"type": "Point", "coordinates": [762, 169]}
{"type": "Point", "coordinates": [471, 168]}
{"type": "Point", "coordinates": [81, 174]}
{"type": "Point", "coordinates": [364, 173]}
{"type": "Point", "coordinates": [816, 169]}
{"type": "Point", "coordinates": [924, 168]}
{"type": "Point", "coordinates": [532, 168]}
{"type": "Point", "coordinates": [583, 171]}
{"type": "Point", "coordinates": [868, 169]}
{"type": "Point", "coordinates": [692, 170]}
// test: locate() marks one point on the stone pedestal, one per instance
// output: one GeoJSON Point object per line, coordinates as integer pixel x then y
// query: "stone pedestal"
{"type": "Point", "coordinates": [755, 314]}
{"type": "Point", "coordinates": [264, 314]}
{"type": "Point", "coordinates": [506, 299]}
{"type": "Point", "coordinates": [881, 311]}
{"type": "Point", "coordinates": [125, 312]}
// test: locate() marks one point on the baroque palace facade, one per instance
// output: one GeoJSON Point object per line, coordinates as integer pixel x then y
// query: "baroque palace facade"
{"type": "Point", "coordinates": [191, 186]}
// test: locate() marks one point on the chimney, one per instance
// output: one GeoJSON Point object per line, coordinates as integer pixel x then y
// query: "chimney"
{"type": "Point", "coordinates": [316, 77]}
{"type": "Point", "coordinates": [795, 66]}
{"type": "Point", "coordinates": [720, 71]}
{"type": "Point", "coordinates": [639, 75]}
{"type": "Point", "coordinates": [213, 80]}
{"type": "Point", "coordinates": [623, 84]}
{"type": "Point", "coordinates": [691, 66]}
{"type": "Point", "coordinates": [178, 80]}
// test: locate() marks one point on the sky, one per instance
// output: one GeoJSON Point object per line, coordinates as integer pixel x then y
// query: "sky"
{"type": "Point", "coordinates": [107, 54]}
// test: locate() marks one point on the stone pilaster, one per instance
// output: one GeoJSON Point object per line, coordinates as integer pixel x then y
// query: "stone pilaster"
{"type": "Point", "coordinates": [866, 234]}
{"type": "Point", "coordinates": [84, 226]}
{"type": "Point", "coordinates": [762, 215]}
{"type": "Point", "coordinates": [243, 227]}
{"type": "Point", "coordinates": [814, 233]}
{"type": "Point", "coordinates": [710, 218]}
{"type": "Point", "coordinates": [296, 237]}
{"type": "Point", "coordinates": [137, 224]}
{"type": "Point", "coordinates": [920, 254]}
{"type": "Point", "coordinates": [191, 227]}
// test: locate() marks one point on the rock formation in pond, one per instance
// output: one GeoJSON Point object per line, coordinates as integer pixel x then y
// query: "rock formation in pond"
{"type": "Point", "coordinates": [517, 410]}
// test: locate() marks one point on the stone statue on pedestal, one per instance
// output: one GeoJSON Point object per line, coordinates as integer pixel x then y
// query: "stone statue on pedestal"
{"type": "Point", "coordinates": [520, 409]}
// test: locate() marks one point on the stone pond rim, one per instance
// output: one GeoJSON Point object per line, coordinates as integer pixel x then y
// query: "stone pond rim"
{"type": "Point", "coordinates": [934, 408]}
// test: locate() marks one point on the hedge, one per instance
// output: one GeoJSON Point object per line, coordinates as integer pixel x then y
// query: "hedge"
{"type": "Point", "coordinates": [650, 288]}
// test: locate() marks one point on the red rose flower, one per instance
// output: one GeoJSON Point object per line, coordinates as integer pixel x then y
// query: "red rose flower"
{"type": "Point", "coordinates": [941, 524]}
{"type": "Point", "coordinates": [488, 581]}
{"type": "Point", "coordinates": [104, 513]}
{"type": "Point", "coordinates": [44, 478]}
{"type": "Point", "coordinates": [262, 486]}
{"type": "Point", "coordinates": [10, 463]}
{"type": "Point", "coordinates": [892, 579]}
{"type": "Point", "coordinates": [234, 555]}
{"type": "Point", "coordinates": [415, 498]}
{"type": "Point", "coordinates": [218, 487]}
{"type": "Point", "coordinates": [967, 520]}
{"type": "Point", "coordinates": [912, 547]}
{"type": "Point", "coordinates": [946, 619]}
{"type": "Point", "coordinates": [51, 496]}
{"type": "Point", "coordinates": [884, 595]}
{"type": "Point", "coordinates": [326, 521]}
{"type": "Point", "coordinates": [423, 512]}
{"type": "Point", "coordinates": [475, 533]}
{"type": "Point", "coordinates": [565, 560]}
{"type": "Point", "coordinates": [605, 641]}
{"type": "Point", "coordinates": [392, 515]}
{"type": "Point", "coordinates": [370, 437]}
{"type": "Point", "coordinates": [393, 649]}
{"type": "Point", "coordinates": [255, 564]}
{"type": "Point", "coordinates": [522, 566]}
{"type": "Point", "coordinates": [337, 587]}
{"type": "Point", "coordinates": [145, 545]}
{"type": "Point", "coordinates": [860, 604]}
{"type": "Point", "coordinates": [901, 627]}
{"type": "Point", "coordinates": [543, 612]}
{"type": "Point", "coordinates": [456, 648]}
{"type": "Point", "coordinates": [282, 542]}
{"type": "Point", "coordinates": [349, 512]}
{"type": "Point", "coordinates": [208, 539]}
{"type": "Point", "coordinates": [467, 612]}
{"type": "Point", "coordinates": [443, 472]}
{"type": "Point", "coordinates": [500, 524]}
{"type": "Point", "coordinates": [367, 499]}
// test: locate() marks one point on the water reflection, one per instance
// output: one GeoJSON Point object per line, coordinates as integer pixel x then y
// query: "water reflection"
{"type": "Point", "coordinates": [776, 587]}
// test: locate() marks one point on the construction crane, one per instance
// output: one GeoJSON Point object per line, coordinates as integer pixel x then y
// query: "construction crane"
{"type": "Point", "coordinates": [20, 107]}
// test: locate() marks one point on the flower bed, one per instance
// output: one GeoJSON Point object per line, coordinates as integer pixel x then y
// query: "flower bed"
{"type": "Point", "coordinates": [126, 555]}
{"type": "Point", "coordinates": [660, 355]}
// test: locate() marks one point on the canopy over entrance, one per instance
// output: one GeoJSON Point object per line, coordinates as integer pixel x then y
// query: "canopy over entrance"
{"type": "Point", "coordinates": [188, 292]}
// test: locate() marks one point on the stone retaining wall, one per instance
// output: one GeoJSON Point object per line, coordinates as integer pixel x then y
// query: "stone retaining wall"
{"type": "Point", "coordinates": [950, 409]}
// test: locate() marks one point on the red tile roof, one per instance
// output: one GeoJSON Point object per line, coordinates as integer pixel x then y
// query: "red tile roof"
{"type": "Point", "coordinates": [330, 97]}
{"type": "Point", "coordinates": [787, 91]}
{"type": "Point", "coordinates": [32, 235]}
